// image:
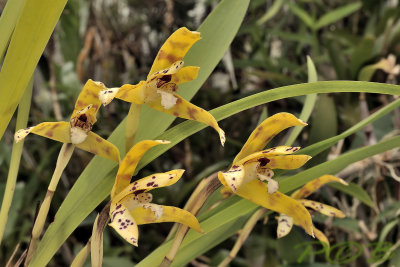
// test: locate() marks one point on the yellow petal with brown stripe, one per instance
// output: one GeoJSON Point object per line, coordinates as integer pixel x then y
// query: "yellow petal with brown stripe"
{"type": "Point", "coordinates": [267, 130]}
{"type": "Point", "coordinates": [58, 131]}
{"type": "Point", "coordinates": [256, 192]}
{"type": "Point", "coordinates": [274, 151]}
{"type": "Point", "coordinates": [315, 184]}
{"type": "Point", "coordinates": [322, 208]}
{"type": "Point", "coordinates": [89, 96]}
{"type": "Point", "coordinates": [97, 145]}
{"type": "Point", "coordinates": [149, 183]}
{"type": "Point", "coordinates": [185, 109]}
{"type": "Point", "coordinates": [129, 163]}
{"type": "Point", "coordinates": [123, 222]}
{"type": "Point", "coordinates": [153, 213]}
{"type": "Point", "coordinates": [174, 49]}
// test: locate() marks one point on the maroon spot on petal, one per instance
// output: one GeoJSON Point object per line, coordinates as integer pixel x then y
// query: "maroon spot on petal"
{"type": "Point", "coordinates": [263, 161]}
{"type": "Point", "coordinates": [137, 192]}
{"type": "Point", "coordinates": [99, 139]}
{"type": "Point", "coordinates": [235, 166]}
{"type": "Point", "coordinates": [153, 177]}
{"type": "Point", "coordinates": [150, 184]}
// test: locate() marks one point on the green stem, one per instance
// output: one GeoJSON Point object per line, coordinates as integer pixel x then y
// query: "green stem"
{"type": "Point", "coordinates": [22, 120]}
{"type": "Point", "coordinates": [62, 161]}
{"type": "Point", "coordinates": [132, 125]}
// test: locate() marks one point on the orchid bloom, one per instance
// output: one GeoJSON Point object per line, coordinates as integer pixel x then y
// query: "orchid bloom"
{"type": "Point", "coordinates": [130, 202]}
{"type": "Point", "coordinates": [285, 222]}
{"type": "Point", "coordinates": [159, 89]}
{"type": "Point", "coordinates": [253, 166]}
{"type": "Point", "coordinates": [78, 130]}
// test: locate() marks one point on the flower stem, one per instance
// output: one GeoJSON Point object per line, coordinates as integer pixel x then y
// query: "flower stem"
{"type": "Point", "coordinates": [205, 188]}
{"type": "Point", "coordinates": [22, 120]}
{"type": "Point", "coordinates": [62, 161]}
{"type": "Point", "coordinates": [132, 125]}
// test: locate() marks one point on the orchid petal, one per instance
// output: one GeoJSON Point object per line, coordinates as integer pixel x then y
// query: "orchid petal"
{"type": "Point", "coordinates": [187, 110]}
{"type": "Point", "coordinates": [255, 191]}
{"type": "Point", "coordinates": [174, 49]}
{"type": "Point", "coordinates": [233, 178]}
{"type": "Point", "coordinates": [285, 224]}
{"type": "Point", "coordinates": [129, 163]}
{"type": "Point", "coordinates": [99, 146]}
{"type": "Point", "coordinates": [274, 151]}
{"type": "Point", "coordinates": [272, 185]}
{"type": "Point", "coordinates": [171, 70]}
{"type": "Point", "coordinates": [270, 127]}
{"type": "Point", "coordinates": [185, 74]}
{"type": "Point", "coordinates": [123, 222]}
{"type": "Point", "coordinates": [315, 184]}
{"type": "Point", "coordinates": [153, 213]}
{"type": "Point", "coordinates": [127, 92]}
{"type": "Point", "coordinates": [89, 96]}
{"type": "Point", "coordinates": [149, 183]}
{"type": "Point", "coordinates": [321, 237]}
{"type": "Point", "coordinates": [58, 131]}
{"type": "Point", "coordinates": [322, 208]}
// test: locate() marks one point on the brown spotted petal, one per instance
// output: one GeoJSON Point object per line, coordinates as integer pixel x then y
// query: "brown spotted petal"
{"type": "Point", "coordinates": [174, 49]}
{"type": "Point", "coordinates": [89, 96]}
{"type": "Point", "coordinates": [267, 130]}
{"type": "Point", "coordinates": [255, 191]}
{"type": "Point", "coordinates": [149, 183]}
{"type": "Point", "coordinates": [97, 145]}
{"type": "Point", "coordinates": [185, 109]}
{"type": "Point", "coordinates": [315, 184]}
{"type": "Point", "coordinates": [285, 224]}
{"type": "Point", "coordinates": [233, 178]}
{"type": "Point", "coordinates": [129, 163]}
{"type": "Point", "coordinates": [322, 208]}
{"type": "Point", "coordinates": [58, 131]}
{"type": "Point", "coordinates": [153, 213]}
{"type": "Point", "coordinates": [123, 222]}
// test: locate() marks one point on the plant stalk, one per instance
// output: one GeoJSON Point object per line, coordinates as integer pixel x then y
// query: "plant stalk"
{"type": "Point", "coordinates": [63, 158]}
{"type": "Point", "coordinates": [248, 227]}
{"type": "Point", "coordinates": [22, 120]}
{"type": "Point", "coordinates": [132, 125]}
{"type": "Point", "coordinates": [206, 187]}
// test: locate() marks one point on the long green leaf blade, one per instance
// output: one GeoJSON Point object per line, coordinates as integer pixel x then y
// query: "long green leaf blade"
{"type": "Point", "coordinates": [337, 14]}
{"type": "Point", "coordinates": [32, 32]}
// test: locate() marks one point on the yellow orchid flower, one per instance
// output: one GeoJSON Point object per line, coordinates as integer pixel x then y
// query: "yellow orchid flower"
{"type": "Point", "coordinates": [253, 166]}
{"type": "Point", "coordinates": [78, 130]}
{"type": "Point", "coordinates": [130, 202]}
{"type": "Point", "coordinates": [285, 222]}
{"type": "Point", "coordinates": [159, 89]}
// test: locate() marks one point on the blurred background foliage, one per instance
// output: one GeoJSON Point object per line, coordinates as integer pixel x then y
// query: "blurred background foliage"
{"type": "Point", "coordinates": [116, 41]}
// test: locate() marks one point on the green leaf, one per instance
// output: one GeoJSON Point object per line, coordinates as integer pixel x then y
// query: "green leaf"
{"type": "Point", "coordinates": [32, 32]}
{"type": "Point", "coordinates": [302, 15]}
{"type": "Point", "coordinates": [308, 104]}
{"type": "Point", "coordinates": [8, 19]}
{"type": "Point", "coordinates": [272, 11]}
{"type": "Point", "coordinates": [337, 14]}
{"type": "Point", "coordinates": [354, 190]}
{"type": "Point", "coordinates": [95, 183]}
